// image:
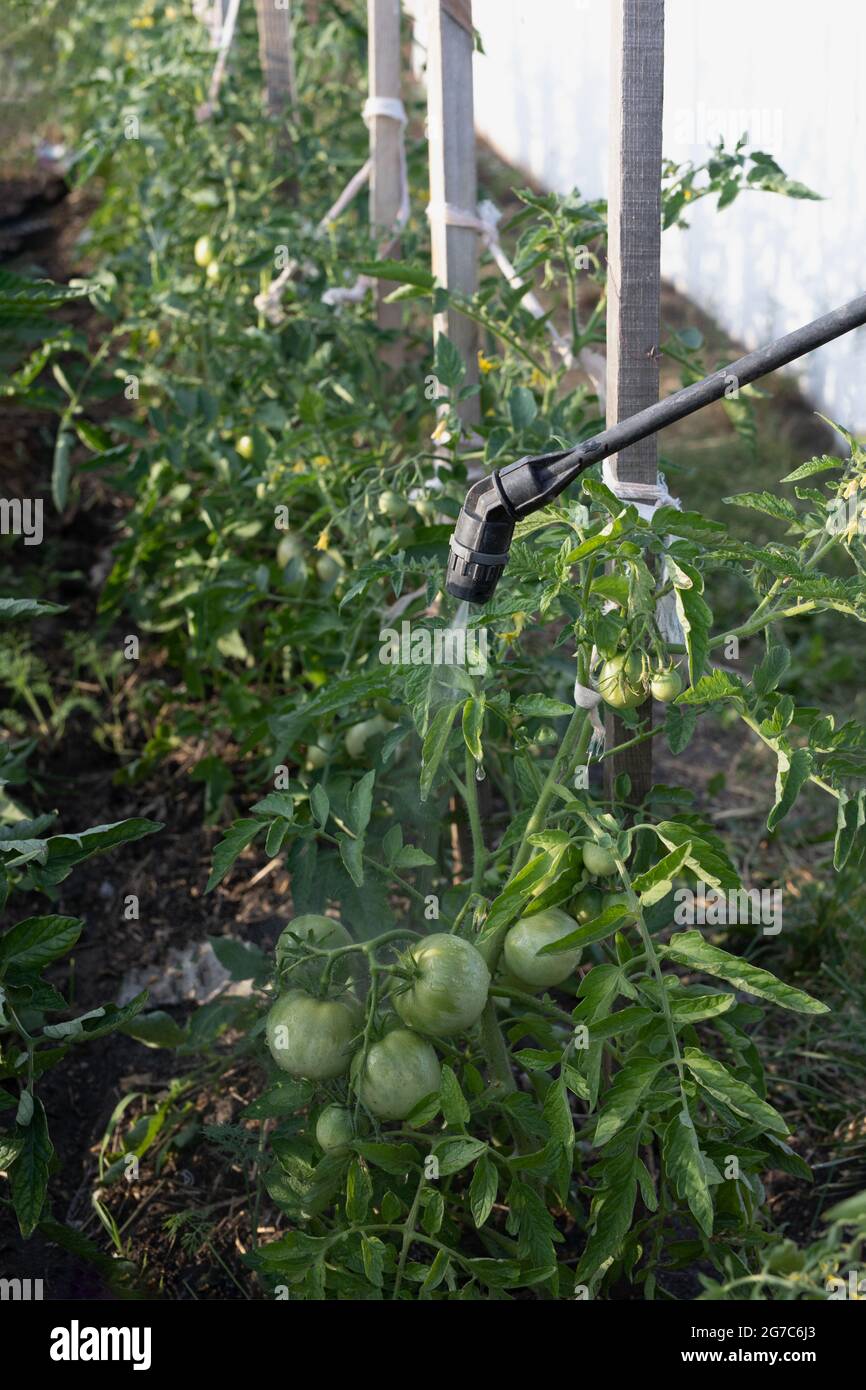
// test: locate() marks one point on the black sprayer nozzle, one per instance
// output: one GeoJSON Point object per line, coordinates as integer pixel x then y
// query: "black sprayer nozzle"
{"type": "Point", "coordinates": [485, 526]}
{"type": "Point", "coordinates": [480, 543]}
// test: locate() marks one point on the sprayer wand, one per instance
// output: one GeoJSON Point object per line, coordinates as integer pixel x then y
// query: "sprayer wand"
{"type": "Point", "coordinates": [484, 529]}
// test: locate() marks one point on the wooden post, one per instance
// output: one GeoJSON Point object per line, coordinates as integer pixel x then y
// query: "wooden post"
{"type": "Point", "coordinates": [386, 149]}
{"type": "Point", "coordinates": [453, 178]}
{"type": "Point", "coordinates": [633, 279]}
{"type": "Point", "coordinates": [275, 54]}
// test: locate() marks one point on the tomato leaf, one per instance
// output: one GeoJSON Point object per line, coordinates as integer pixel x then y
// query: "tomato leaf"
{"type": "Point", "coordinates": [396, 1159]}
{"type": "Point", "coordinates": [792, 773]}
{"type": "Point", "coordinates": [483, 1189]}
{"type": "Point", "coordinates": [684, 1165]}
{"type": "Point", "coordinates": [352, 855]}
{"type": "Point", "coordinates": [36, 941]}
{"type": "Point", "coordinates": [28, 1179]}
{"type": "Point", "coordinates": [454, 1105]}
{"type": "Point", "coordinates": [455, 1154]}
{"type": "Point", "coordinates": [771, 670]}
{"type": "Point", "coordinates": [689, 948]}
{"type": "Point", "coordinates": [715, 1078]}
{"type": "Point", "coordinates": [624, 1096]}
{"type": "Point", "coordinates": [696, 619]}
{"type": "Point", "coordinates": [680, 724]}
{"type": "Point", "coordinates": [601, 927]}
{"type": "Point", "coordinates": [241, 834]}
{"type": "Point", "coordinates": [360, 803]}
{"type": "Point", "coordinates": [434, 745]}
{"type": "Point", "coordinates": [473, 725]}
{"type": "Point", "coordinates": [658, 881]}
{"type": "Point", "coordinates": [359, 1191]}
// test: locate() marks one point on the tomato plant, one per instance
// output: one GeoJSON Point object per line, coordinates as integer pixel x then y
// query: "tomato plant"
{"type": "Point", "coordinates": [506, 1070]}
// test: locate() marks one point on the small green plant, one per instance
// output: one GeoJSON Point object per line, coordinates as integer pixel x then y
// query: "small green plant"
{"type": "Point", "coordinates": [36, 1032]}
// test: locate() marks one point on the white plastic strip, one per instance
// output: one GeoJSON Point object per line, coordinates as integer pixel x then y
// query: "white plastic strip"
{"type": "Point", "coordinates": [647, 498]}
{"type": "Point", "coordinates": [269, 303]}
{"type": "Point", "coordinates": [486, 223]}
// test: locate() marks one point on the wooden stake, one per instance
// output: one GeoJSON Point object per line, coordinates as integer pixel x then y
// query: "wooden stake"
{"type": "Point", "coordinates": [633, 284]}
{"type": "Point", "coordinates": [275, 54]}
{"type": "Point", "coordinates": [386, 144]}
{"type": "Point", "coordinates": [453, 177]}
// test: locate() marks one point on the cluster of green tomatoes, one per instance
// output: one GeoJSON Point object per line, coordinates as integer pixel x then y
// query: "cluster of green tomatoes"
{"type": "Point", "coordinates": [625, 680]}
{"type": "Point", "coordinates": [437, 988]}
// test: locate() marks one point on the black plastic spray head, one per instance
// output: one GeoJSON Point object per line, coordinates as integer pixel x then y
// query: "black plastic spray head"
{"type": "Point", "coordinates": [485, 526]}
{"type": "Point", "coordinates": [482, 535]}
{"type": "Point", "coordinates": [480, 542]}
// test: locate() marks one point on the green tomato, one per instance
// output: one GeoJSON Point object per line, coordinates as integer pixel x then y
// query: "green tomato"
{"type": "Point", "coordinates": [318, 752]}
{"type": "Point", "coordinates": [356, 737]}
{"type": "Point", "coordinates": [314, 929]}
{"type": "Point", "coordinates": [401, 1070]}
{"type": "Point", "coordinates": [393, 505]}
{"type": "Point", "coordinates": [785, 1258]}
{"type": "Point", "coordinates": [619, 900]}
{"type": "Point", "coordinates": [620, 681]}
{"type": "Point", "coordinates": [450, 987]}
{"type": "Point", "coordinates": [665, 685]}
{"type": "Point", "coordinates": [312, 1038]}
{"type": "Point", "coordinates": [213, 271]}
{"type": "Point", "coordinates": [203, 252]}
{"type": "Point", "coordinates": [294, 578]}
{"type": "Point", "coordinates": [428, 508]}
{"type": "Point", "coordinates": [600, 862]}
{"type": "Point", "coordinates": [290, 547]}
{"type": "Point", "coordinates": [334, 1128]}
{"type": "Point", "coordinates": [329, 566]}
{"type": "Point", "coordinates": [526, 938]}
{"type": "Point", "coordinates": [586, 905]}
{"type": "Point", "coordinates": [245, 446]}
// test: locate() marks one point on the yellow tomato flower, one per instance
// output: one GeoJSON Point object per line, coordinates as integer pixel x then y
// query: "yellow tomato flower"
{"type": "Point", "coordinates": [322, 542]}
{"type": "Point", "coordinates": [170, 12]}
{"type": "Point", "coordinates": [153, 338]}
{"type": "Point", "coordinates": [519, 620]}
{"type": "Point", "coordinates": [486, 364]}
{"type": "Point", "coordinates": [687, 194]}
{"type": "Point", "coordinates": [537, 379]}
{"type": "Point", "coordinates": [441, 434]}
{"type": "Point", "coordinates": [321, 461]}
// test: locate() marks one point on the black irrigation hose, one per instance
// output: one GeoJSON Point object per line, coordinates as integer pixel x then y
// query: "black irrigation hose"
{"type": "Point", "coordinates": [482, 534]}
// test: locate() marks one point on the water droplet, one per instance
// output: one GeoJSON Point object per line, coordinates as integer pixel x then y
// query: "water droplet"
{"type": "Point", "coordinates": [480, 774]}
